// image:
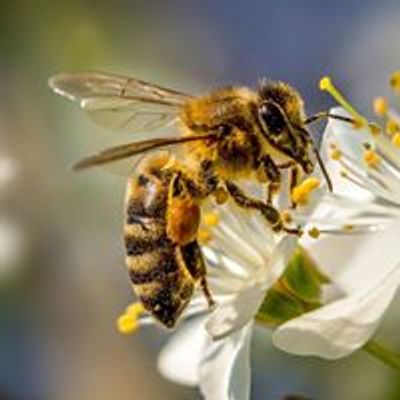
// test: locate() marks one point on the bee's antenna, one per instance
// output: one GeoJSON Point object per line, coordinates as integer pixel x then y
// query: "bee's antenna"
{"type": "Point", "coordinates": [325, 114]}
{"type": "Point", "coordinates": [319, 158]}
{"type": "Point", "coordinates": [322, 166]}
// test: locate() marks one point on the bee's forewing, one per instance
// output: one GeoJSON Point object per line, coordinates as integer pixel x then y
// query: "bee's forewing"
{"type": "Point", "coordinates": [120, 103]}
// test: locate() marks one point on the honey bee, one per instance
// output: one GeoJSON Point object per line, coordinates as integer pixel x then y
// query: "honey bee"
{"type": "Point", "coordinates": [226, 135]}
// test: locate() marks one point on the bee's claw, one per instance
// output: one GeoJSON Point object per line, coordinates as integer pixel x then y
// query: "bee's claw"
{"type": "Point", "coordinates": [293, 231]}
{"type": "Point", "coordinates": [207, 294]}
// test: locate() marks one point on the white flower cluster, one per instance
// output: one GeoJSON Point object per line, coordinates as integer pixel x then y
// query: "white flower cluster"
{"type": "Point", "coordinates": [245, 260]}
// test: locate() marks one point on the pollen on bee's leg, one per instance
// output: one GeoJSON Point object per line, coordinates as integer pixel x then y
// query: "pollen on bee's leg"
{"type": "Point", "coordinates": [128, 322]}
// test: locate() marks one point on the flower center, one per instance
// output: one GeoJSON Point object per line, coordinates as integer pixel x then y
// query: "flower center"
{"type": "Point", "coordinates": [297, 291]}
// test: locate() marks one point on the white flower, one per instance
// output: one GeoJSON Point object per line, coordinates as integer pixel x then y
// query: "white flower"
{"type": "Point", "coordinates": [370, 276]}
{"type": "Point", "coordinates": [212, 351]}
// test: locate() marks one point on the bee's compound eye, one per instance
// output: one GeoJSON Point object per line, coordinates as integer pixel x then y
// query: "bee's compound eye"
{"type": "Point", "coordinates": [273, 118]}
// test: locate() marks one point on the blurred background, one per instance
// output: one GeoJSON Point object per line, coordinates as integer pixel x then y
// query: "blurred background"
{"type": "Point", "coordinates": [62, 276]}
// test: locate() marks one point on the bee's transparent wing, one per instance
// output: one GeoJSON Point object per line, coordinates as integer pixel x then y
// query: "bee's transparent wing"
{"type": "Point", "coordinates": [132, 150]}
{"type": "Point", "coordinates": [120, 103]}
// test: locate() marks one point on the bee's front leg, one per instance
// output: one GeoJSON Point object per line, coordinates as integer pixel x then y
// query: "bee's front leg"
{"type": "Point", "coordinates": [293, 181]}
{"type": "Point", "coordinates": [293, 177]}
{"type": "Point", "coordinates": [270, 213]}
{"type": "Point", "coordinates": [273, 175]}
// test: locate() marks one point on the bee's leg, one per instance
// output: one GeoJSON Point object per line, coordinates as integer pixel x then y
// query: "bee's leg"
{"type": "Point", "coordinates": [197, 268]}
{"type": "Point", "coordinates": [273, 175]}
{"type": "Point", "coordinates": [293, 181]}
{"type": "Point", "coordinates": [270, 213]}
{"type": "Point", "coordinates": [183, 212]}
{"type": "Point", "coordinates": [208, 177]}
{"type": "Point", "coordinates": [206, 291]}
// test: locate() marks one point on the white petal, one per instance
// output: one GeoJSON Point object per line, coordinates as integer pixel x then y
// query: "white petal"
{"type": "Point", "coordinates": [361, 260]}
{"type": "Point", "coordinates": [237, 313]}
{"type": "Point", "coordinates": [346, 136]}
{"type": "Point", "coordinates": [338, 329]}
{"type": "Point", "coordinates": [225, 368]}
{"type": "Point", "coordinates": [179, 359]}
{"type": "Point", "coordinates": [351, 141]}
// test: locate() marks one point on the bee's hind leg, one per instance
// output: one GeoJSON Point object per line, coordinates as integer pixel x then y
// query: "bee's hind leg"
{"type": "Point", "coordinates": [206, 291]}
{"type": "Point", "coordinates": [293, 181]}
{"type": "Point", "coordinates": [196, 266]}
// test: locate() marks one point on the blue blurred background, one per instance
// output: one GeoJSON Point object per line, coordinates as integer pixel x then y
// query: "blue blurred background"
{"type": "Point", "coordinates": [62, 275]}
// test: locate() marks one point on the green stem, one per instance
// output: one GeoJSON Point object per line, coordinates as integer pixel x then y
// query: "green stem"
{"type": "Point", "coordinates": [388, 357]}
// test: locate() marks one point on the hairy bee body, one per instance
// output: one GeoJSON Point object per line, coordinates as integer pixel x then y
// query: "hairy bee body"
{"type": "Point", "coordinates": [226, 135]}
{"type": "Point", "coordinates": [163, 258]}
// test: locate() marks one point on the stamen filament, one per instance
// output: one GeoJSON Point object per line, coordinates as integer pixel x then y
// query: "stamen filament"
{"type": "Point", "coordinates": [388, 357]}
{"type": "Point", "coordinates": [327, 85]}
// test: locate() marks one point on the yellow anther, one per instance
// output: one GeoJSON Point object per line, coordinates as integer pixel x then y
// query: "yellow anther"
{"type": "Point", "coordinates": [211, 218]}
{"type": "Point", "coordinates": [326, 84]}
{"type": "Point", "coordinates": [204, 236]}
{"type": "Point", "coordinates": [127, 324]}
{"type": "Point", "coordinates": [336, 154]}
{"type": "Point", "coordinates": [374, 128]}
{"type": "Point", "coordinates": [380, 106]}
{"type": "Point", "coordinates": [396, 139]}
{"type": "Point", "coordinates": [392, 127]}
{"type": "Point", "coordinates": [286, 216]}
{"type": "Point", "coordinates": [311, 183]}
{"type": "Point", "coordinates": [221, 196]}
{"type": "Point", "coordinates": [301, 193]}
{"type": "Point", "coordinates": [348, 228]}
{"type": "Point", "coordinates": [371, 158]}
{"type": "Point", "coordinates": [395, 81]}
{"type": "Point", "coordinates": [343, 173]}
{"type": "Point", "coordinates": [135, 309]}
{"type": "Point", "coordinates": [314, 232]}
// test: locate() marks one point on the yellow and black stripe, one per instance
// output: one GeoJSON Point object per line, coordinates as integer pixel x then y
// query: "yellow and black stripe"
{"type": "Point", "coordinates": [159, 269]}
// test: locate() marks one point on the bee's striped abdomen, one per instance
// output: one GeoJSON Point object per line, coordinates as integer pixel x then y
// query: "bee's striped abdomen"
{"type": "Point", "coordinates": [156, 267]}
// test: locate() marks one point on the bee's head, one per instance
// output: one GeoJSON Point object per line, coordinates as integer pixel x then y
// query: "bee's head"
{"type": "Point", "coordinates": [281, 117]}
